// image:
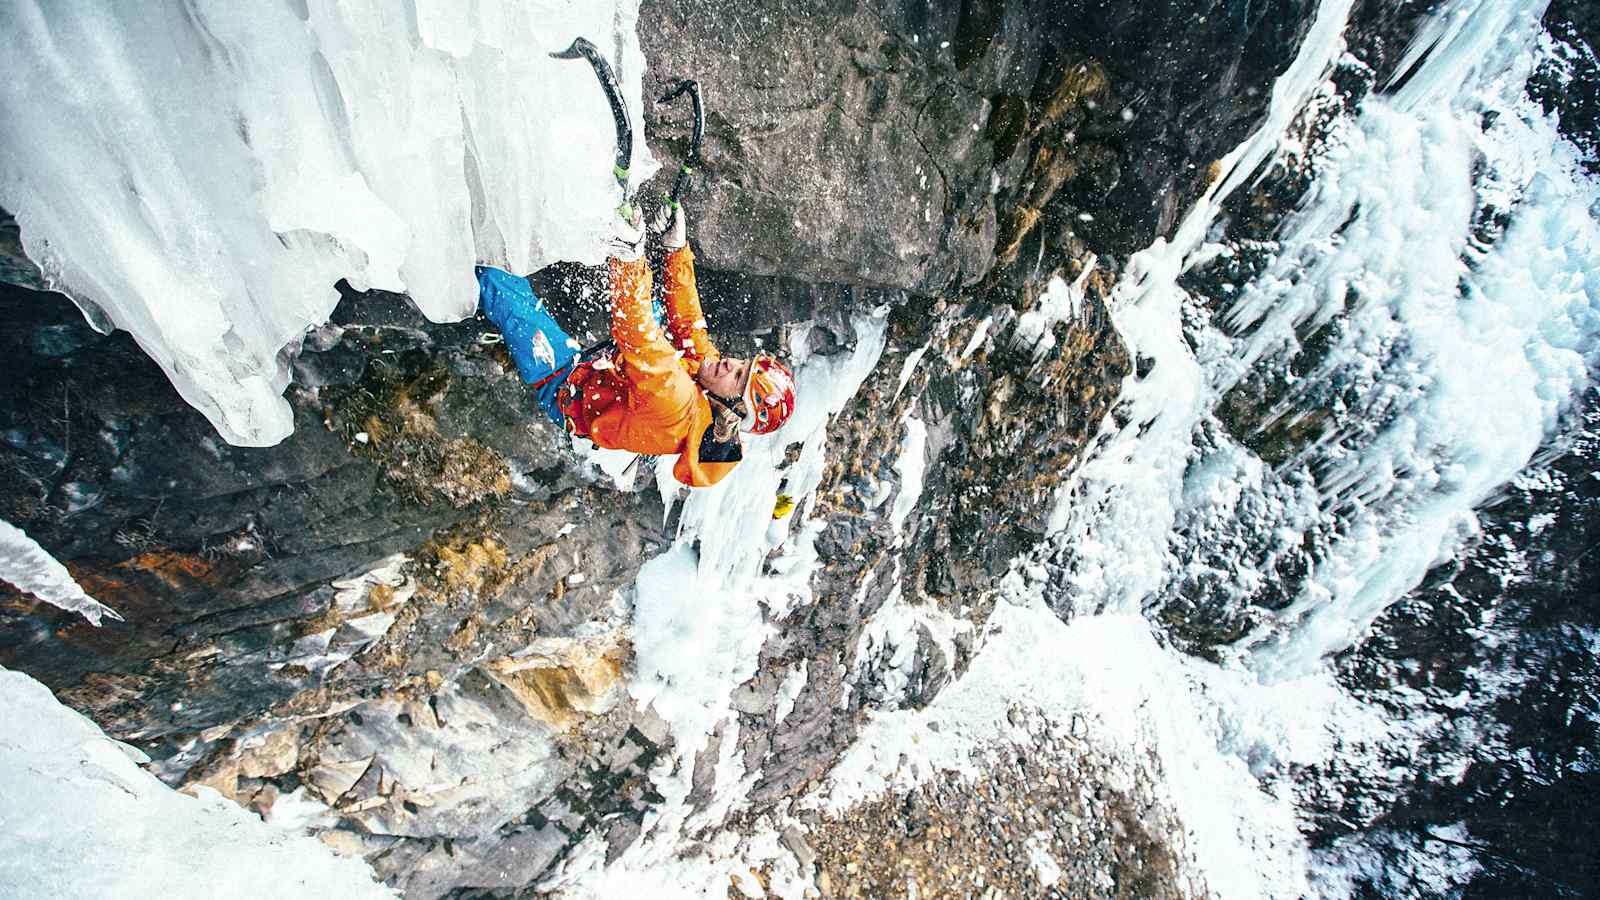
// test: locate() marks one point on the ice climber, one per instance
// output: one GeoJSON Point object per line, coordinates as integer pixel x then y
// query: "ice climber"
{"type": "Point", "coordinates": [644, 390]}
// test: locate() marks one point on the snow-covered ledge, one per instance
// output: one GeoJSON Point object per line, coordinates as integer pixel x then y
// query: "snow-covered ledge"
{"type": "Point", "coordinates": [82, 819]}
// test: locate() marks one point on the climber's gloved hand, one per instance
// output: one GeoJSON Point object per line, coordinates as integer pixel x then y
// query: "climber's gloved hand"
{"type": "Point", "coordinates": [669, 225]}
{"type": "Point", "coordinates": [627, 238]}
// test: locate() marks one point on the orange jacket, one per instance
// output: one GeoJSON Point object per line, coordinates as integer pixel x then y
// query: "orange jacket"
{"type": "Point", "coordinates": [648, 401]}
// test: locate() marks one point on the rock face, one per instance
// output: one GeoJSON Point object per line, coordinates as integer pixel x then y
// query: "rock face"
{"type": "Point", "coordinates": [909, 144]}
{"type": "Point", "coordinates": [1569, 83]}
{"type": "Point", "coordinates": [412, 616]}
{"type": "Point", "coordinates": [15, 267]}
{"type": "Point", "coordinates": [333, 619]}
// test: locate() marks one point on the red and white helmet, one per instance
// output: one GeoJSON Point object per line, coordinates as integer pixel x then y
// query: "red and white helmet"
{"type": "Point", "coordinates": [768, 395]}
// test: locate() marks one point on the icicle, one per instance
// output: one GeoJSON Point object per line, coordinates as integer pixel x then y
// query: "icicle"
{"type": "Point", "coordinates": [31, 568]}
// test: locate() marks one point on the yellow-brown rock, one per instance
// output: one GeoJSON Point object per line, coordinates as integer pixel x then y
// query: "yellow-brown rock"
{"type": "Point", "coordinates": [276, 754]}
{"type": "Point", "coordinates": [572, 680]}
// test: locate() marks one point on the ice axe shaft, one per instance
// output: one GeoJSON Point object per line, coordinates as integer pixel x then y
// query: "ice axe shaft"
{"type": "Point", "coordinates": [680, 184]}
{"type": "Point", "coordinates": [581, 48]}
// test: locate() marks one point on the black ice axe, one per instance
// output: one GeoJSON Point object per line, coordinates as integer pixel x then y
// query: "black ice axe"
{"type": "Point", "coordinates": [581, 48]}
{"type": "Point", "coordinates": [692, 158]}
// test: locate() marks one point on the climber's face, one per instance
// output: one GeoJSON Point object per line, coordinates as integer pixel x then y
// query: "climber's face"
{"type": "Point", "coordinates": [725, 377]}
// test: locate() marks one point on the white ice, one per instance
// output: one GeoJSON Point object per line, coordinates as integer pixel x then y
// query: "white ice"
{"type": "Point", "coordinates": [707, 590]}
{"type": "Point", "coordinates": [911, 465]}
{"type": "Point", "coordinates": [80, 819]}
{"type": "Point", "coordinates": [1489, 346]}
{"type": "Point", "coordinates": [200, 174]}
{"type": "Point", "coordinates": [1494, 344]}
{"type": "Point", "coordinates": [1061, 303]}
{"type": "Point", "coordinates": [1119, 507]}
{"type": "Point", "coordinates": [31, 568]}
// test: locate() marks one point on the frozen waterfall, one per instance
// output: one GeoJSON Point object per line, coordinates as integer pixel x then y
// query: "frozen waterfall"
{"type": "Point", "coordinates": [1436, 352]}
{"type": "Point", "coordinates": [1448, 252]}
{"type": "Point", "coordinates": [202, 173]}
{"type": "Point", "coordinates": [1462, 343]}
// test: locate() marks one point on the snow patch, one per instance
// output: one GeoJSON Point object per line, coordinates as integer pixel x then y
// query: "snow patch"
{"type": "Point", "coordinates": [789, 691]}
{"type": "Point", "coordinates": [1061, 303]}
{"type": "Point", "coordinates": [1132, 697]}
{"type": "Point", "coordinates": [911, 464]}
{"type": "Point", "coordinates": [1044, 865]}
{"type": "Point", "coordinates": [82, 819]}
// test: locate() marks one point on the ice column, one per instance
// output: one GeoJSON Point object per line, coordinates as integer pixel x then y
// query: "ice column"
{"type": "Point", "coordinates": [201, 173]}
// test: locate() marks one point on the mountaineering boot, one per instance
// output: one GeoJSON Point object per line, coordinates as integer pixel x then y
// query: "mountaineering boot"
{"type": "Point", "coordinates": [543, 352]}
